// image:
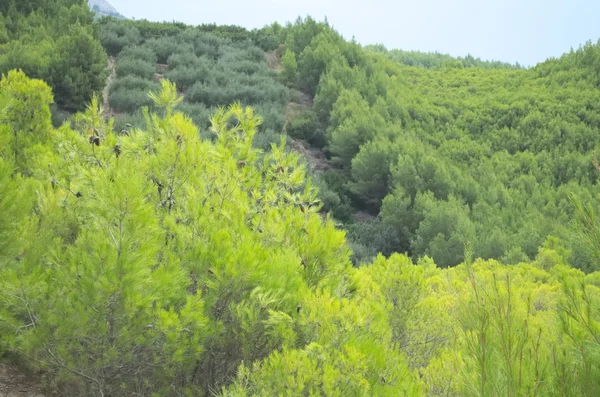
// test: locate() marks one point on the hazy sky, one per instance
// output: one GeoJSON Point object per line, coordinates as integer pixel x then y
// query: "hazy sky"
{"type": "Point", "coordinates": [524, 31]}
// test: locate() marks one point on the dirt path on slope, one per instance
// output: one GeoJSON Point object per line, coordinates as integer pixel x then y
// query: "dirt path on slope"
{"type": "Point", "coordinates": [15, 383]}
{"type": "Point", "coordinates": [109, 82]}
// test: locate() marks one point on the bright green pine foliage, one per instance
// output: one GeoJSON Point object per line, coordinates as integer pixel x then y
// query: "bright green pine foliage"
{"type": "Point", "coordinates": [155, 263]}
{"type": "Point", "coordinates": [27, 117]}
{"type": "Point", "coordinates": [488, 329]}
{"type": "Point", "coordinates": [481, 329]}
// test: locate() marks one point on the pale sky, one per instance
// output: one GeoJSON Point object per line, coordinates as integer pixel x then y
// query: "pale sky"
{"type": "Point", "coordinates": [524, 31]}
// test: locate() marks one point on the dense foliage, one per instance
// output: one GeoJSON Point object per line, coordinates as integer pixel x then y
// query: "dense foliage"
{"type": "Point", "coordinates": [171, 243]}
{"type": "Point", "coordinates": [155, 263]}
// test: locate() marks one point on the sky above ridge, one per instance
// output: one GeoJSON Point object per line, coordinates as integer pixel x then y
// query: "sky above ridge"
{"type": "Point", "coordinates": [524, 31]}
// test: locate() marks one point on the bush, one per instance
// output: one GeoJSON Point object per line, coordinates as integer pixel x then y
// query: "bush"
{"type": "Point", "coordinates": [248, 51]}
{"type": "Point", "coordinates": [115, 36]}
{"type": "Point", "coordinates": [330, 199]}
{"type": "Point", "coordinates": [200, 115]}
{"type": "Point", "coordinates": [185, 59]}
{"type": "Point", "coordinates": [127, 122]}
{"type": "Point", "coordinates": [378, 236]}
{"type": "Point", "coordinates": [266, 39]}
{"type": "Point", "coordinates": [273, 117]}
{"type": "Point", "coordinates": [143, 53]}
{"type": "Point", "coordinates": [209, 95]}
{"type": "Point", "coordinates": [247, 67]}
{"type": "Point", "coordinates": [303, 126]}
{"type": "Point", "coordinates": [265, 139]}
{"type": "Point", "coordinates": [134, 82]}
{"type": "Point", "coordinates": [212, 94]}
{"type": "Point", "coordinates": [129, 100]}
{"type": "Point", "coordinates": [276, 92]}
{"type": "Point", "coordinates": [59, 116]}
{"type": "Point", "coordinates": [185, 77]}
{"type": "Point", "coordinates": [135, 67]}
{"type": "Point", "coordinates": [78, 69]}
{"type": "Point", "coordinates": [209, 45]}
{"type": "Point", "coordinates": [164, 47]}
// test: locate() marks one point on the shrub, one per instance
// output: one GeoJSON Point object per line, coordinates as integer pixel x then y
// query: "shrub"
{"type": "Point", "coordinates": [200, 115]}
{"type": "Point", "coordinates": [134, 82]}
{"type": "Point", "coordinates": [265, 139]}
{"type": "Point", "coordinates": [185, 77]}
{"type": "Point", "coordinates": [209, 45]}
{"type": "Point", "coordinates": [144, 53]}
{"type": "Point", "coordinates": [128, 100]}
{"type": "Point", "coordinates": [182, 59]}
{"type": "Point", "coordinates": [247, 67]}
{"type": "Point", "coordinates": [273, 116]}
{"type": "Point", "coordinates": [206, 94]}
{"type": "Point", "coordinates": [248, 51]}
{"type": "Point", "coordinates": [59, 116]}
{"type": "Point", "coordinates": [115, 36]}
{"type": "Point", "coordinates": [127, 122]}
{"type": "Point", "coordinates": [266, 39]}
{"type": "Point", "coordinates": [164, 47]}
{"type": "Point", "coordinates": [380, 237]}
{"type": "Point", "coordinates": [303, 126]}
{"type": "Point", "coordinates": [135, 67]}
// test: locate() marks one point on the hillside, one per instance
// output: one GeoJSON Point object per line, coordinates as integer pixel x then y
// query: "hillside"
{"type": "Point", "coordinates": [439, 237]}
{"type": "Point", "coordinates": [212, 67]}
{"type": "Point", "coordinates": [450, 156]}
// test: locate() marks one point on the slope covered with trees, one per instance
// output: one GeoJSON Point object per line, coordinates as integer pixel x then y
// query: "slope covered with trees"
{"type": "Point", "coordinates": [155, 263]}
{"type": "Point", "coordinates": [212, 66]}
{"type": "Point", "coordinates": [449, 155]}
{"type": "Point", "coordinates": [402, 139]}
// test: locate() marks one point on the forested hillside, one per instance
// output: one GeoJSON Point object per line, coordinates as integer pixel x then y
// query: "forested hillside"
{"type": "Point", "coordinates": [167, 239]}
{"type": "Point", "coordinates": [423, 159]}
{"type": "Point", "coordinates": [453, 155]}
